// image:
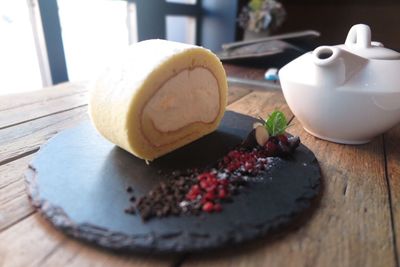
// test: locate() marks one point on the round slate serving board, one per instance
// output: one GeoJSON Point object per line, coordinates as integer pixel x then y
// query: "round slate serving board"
{"type": "Point", "coordinates": [78, 181]}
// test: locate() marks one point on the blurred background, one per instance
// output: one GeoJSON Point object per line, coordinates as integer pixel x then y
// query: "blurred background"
{"type": "Point", "coordinates": [45, 42]}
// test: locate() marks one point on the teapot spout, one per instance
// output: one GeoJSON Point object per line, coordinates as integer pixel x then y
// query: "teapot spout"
{"type": "Point", "coordinates": [335, 66]}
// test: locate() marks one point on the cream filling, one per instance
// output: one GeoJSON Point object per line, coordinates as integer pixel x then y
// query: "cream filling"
{"type": "Point", "coordinates": [190, 96]}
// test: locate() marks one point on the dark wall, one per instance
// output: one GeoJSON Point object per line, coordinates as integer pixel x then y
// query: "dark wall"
{"type": "Point", "coordinates": [333, 18]}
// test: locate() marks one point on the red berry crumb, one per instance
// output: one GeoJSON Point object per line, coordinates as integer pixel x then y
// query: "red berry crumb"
{"type": "Point", "coordinates": [217, 207]}
{"type": "Point", "coordinates": [208, 206]}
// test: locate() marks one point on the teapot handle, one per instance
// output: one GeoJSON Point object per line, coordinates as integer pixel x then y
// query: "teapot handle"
{"type": "Point", "coordinates": [359, 36]}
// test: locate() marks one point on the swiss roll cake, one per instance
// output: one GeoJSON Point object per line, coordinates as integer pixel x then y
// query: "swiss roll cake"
{"type": "Point", "coordinates": [159, 96]}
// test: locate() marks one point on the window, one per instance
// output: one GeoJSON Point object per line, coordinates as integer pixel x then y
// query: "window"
{"type": "Point", "coordinates": [17, 49]}
{"type": "Point", "coordinates": [92, 31]}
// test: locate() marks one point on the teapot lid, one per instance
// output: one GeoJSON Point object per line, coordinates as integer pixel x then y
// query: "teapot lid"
{"type": "Point", "coordinates": [358, 41]}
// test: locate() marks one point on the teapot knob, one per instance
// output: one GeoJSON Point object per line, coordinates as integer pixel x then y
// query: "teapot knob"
{"type": "Point", "coordinates": [359, 36]}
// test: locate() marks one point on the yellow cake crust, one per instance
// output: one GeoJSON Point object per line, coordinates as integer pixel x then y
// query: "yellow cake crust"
{"type": "Point", "coordinates": [119, 97]}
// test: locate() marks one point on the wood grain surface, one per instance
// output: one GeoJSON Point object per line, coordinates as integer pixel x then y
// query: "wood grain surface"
{"type": "Point", "coordinates": [356, 222]}
{"type": "Point", "coordinates": [392, 149]}
{"type": "Point", "coordinates": [15, 109]}
{"type": "Point", "coordinates": [14, 203]}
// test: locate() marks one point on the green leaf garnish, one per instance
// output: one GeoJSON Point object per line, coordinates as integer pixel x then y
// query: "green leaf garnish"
{"type": "Point", "coordinates": [276, 123]}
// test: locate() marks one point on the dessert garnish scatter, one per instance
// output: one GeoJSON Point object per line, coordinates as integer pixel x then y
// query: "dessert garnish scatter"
{"type": "Point", "coordinates": [194, 191]}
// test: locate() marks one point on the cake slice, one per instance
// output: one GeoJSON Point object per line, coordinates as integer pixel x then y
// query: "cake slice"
{"type": "Point", "coordinates": [160, 96]}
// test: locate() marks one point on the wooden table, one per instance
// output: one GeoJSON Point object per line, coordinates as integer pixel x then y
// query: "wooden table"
{"type": "Point", "coordinates": [355, 224]}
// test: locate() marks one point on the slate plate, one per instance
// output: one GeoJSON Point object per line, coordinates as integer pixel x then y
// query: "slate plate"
{"type": "Point", "coordinates": [78, 181]}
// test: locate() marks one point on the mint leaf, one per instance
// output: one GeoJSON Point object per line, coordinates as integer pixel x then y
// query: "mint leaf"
{"type": "Point", "coordinates": [276, 123]}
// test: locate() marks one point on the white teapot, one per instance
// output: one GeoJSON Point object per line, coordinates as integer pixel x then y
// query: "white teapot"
{"type": "Point", "coordinates": [346, 93]}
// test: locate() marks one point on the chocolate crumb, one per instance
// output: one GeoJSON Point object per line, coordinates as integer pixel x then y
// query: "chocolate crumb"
{"type": "Point", "coordinates": [130, 210]}
{"type": "Point", "coordinates": [129, 189]}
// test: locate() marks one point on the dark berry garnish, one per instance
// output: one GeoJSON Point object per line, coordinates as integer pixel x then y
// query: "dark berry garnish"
{"type": "Point", "coordinates": [271, 147]}
{"type": "Point", "coordinates": [283, 139]}
{"type": "Point", "coordinates": [294, 142]}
